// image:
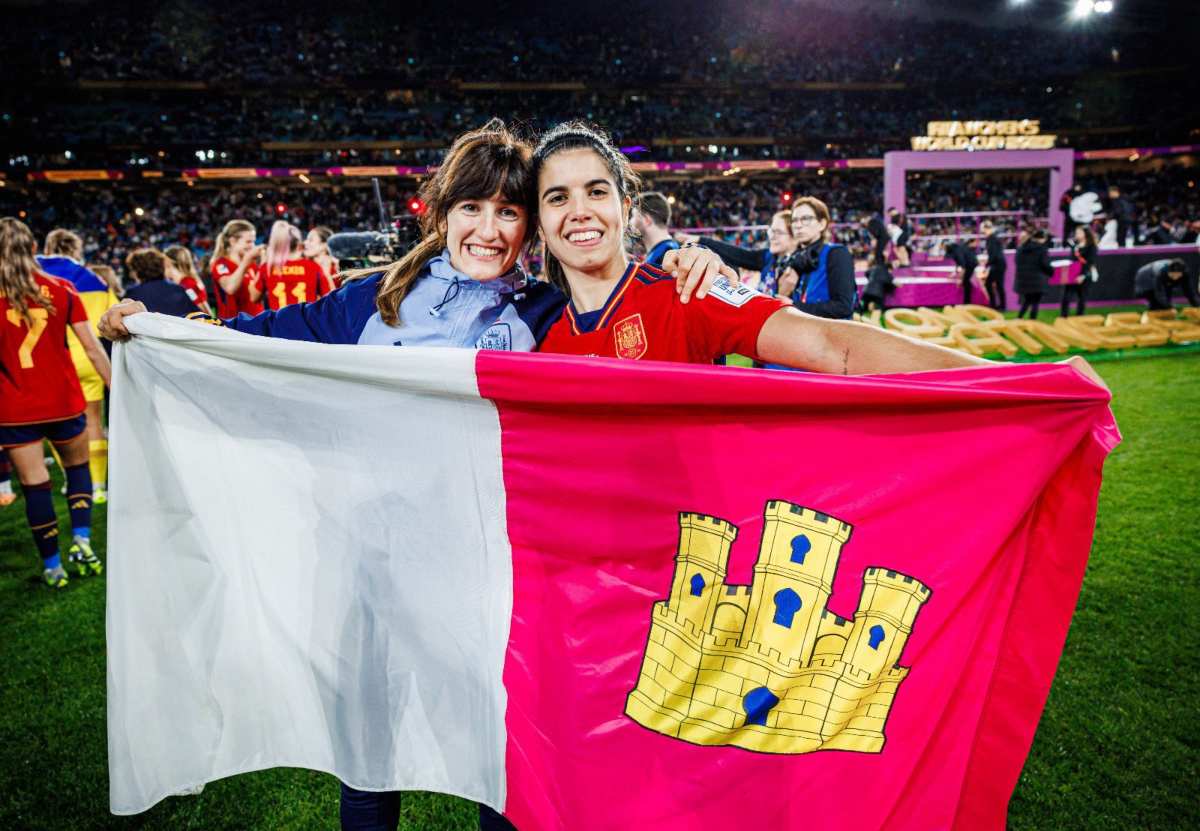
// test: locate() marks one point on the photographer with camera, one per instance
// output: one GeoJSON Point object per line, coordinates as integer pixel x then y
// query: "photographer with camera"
{"type": "Point", "coordinates": [819, 275]}
{"type": "Point", "coordinates": [780, 244]}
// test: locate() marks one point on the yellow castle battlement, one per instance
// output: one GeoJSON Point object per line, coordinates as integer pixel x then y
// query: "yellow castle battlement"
{"type": "Point", "coordinates": [767, 667]}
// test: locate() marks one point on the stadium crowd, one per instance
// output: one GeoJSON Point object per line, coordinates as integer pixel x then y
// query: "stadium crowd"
{"type": "Point", "coordinates": [164, 87]}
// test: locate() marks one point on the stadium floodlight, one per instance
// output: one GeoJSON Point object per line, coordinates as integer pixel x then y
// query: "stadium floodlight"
{"type": "Point", "coordinates": [1103, 6]}
{"type": "Point", "coordinates": [1083, 8]}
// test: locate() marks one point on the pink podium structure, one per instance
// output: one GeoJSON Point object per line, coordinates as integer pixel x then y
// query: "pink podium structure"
{"type": "Point", "coordinates": [1060, 163]}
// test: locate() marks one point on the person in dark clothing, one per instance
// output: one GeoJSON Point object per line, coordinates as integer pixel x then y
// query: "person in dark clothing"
{"type": "Point", "coordinates": [997, 264]}
{"type": "Point", "coordinates": [1123, 211]}
{"type": "Point", "coordinates": [1033, 271]}
{"type": "Point", "coordinates": [880, 284]}
{"type": "Point", "coordinates": [650, 222]}
{"type": "Point", "coordinates": [149, 267]}
{"type": "Point", "coordinates": [1163, 234]}
{"type": "Point", "coordinates": [819, 275]}
{"type": "Point", "coordinates": [1158, 281]}
{"type": "Point", "coordinates": [1084, 250]}
{"type": "Point", "coordinates": [1064, 204]}
{"type": "Point", "coordinates": [965, 262]}
{"type": "Point", "coordinates": [874, 226]}
{"type": "Point", "coordinates": [780, 244]}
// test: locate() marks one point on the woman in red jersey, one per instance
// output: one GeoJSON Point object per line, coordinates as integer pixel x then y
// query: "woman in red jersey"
{"type": "Point", "coordinates": [40, 396]}
{"type": "Point", "coordinates": [181, 269]}
{"type": "Point", "coordinates": [286, 277]}
{"type": "Point", "coordinates": [234, 267]}
{"type": "Point", "coordinates": [619, 308]}
{"type": "Point", "coordinates": [316, 248]}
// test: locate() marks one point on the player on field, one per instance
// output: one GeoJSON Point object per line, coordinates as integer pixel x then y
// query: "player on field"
{"type": "Point", "coordinates": [181, 270]}
{"type": "Point", "coordinates": [63, 258]}
{"type": "Point", "coordinates": [285, 277]}
{"type": "Point", "coordinates": [620, 308]}
{"type": "Point", "coordinates": [40, 396]}
{"type": "Point", "coordinates": [316, 248]}
{"type": "Point", "coordinates": [234, 266]}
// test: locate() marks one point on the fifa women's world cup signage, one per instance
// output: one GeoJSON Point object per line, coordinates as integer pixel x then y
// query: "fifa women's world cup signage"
{"type": "Point", "coordinates": [1025, 134]}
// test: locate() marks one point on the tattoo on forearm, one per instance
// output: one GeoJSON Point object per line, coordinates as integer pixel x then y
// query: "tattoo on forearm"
{"type": "Point", "coordinates": [846, 361]}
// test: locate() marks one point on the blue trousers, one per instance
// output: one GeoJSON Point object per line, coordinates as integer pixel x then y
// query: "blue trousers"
{"type": "Point", "coordinates": [380, 811]}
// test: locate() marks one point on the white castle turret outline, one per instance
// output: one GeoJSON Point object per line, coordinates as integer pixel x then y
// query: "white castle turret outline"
{"type": "Point", "coordinates": [766, 667]}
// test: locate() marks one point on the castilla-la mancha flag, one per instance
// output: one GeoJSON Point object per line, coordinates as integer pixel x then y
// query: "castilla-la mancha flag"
{"type": "Point", "coordinates": [593, 594]}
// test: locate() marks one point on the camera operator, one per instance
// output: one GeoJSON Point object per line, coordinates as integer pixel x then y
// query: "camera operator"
{"type": "Point", "coordinates": [819, 274]}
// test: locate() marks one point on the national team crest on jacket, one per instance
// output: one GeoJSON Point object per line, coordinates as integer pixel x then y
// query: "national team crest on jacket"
{"type": "Point", "coordinates": [630, 338]}
{"type": "Point", "coordinates": [497, 336]}
{"type": "Point", "coordinates": [767, 667]}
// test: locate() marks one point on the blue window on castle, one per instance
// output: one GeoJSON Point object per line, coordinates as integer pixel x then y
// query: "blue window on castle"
{"type": "Point", "coordinates": [757, 703]}
{"type": "Point", "coordinates": [800, 547]}
{"type": "Point", "coordinates": [876, 637]}
{"type": "Point", "coordinates": [697, 585]}
{"type": "Point", "coordinates": [787, 602]}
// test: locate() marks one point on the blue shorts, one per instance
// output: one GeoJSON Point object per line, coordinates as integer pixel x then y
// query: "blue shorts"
{"type": "Point", "coordinates": [59, 432]}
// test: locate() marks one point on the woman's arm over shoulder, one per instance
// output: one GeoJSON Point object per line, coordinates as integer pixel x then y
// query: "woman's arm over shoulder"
{"type": "Point", "coordinates": [751, 258]}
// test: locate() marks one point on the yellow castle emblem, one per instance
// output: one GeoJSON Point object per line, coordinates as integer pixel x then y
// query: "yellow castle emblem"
{"type": "Point", "coordinates": [766, 667]}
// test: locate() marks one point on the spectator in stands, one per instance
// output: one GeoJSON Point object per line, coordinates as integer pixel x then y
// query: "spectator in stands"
{"type": "Point", "coordinates": [1084, 250]}
{"type": "Point", "coordinates": [997, 264]}
{"type": "Point", "coordinates": [1123, 211]}
{"type": "Point", "coordinates": [1033, 270]}
{"type": "Point", "coordinates": [1157, 282]}
{"type": "Point", "coordinates": [962, 253]}
{"type": "Point", "coordinates": [650, 222]}
{"type": "Point", "coordinates": [780, 245]}
{"type": "Point", "coordinates": [1163, 234]}
{"type": "Point", "coordinates": [148, 267]}
{"type": "Point", "coordinates": [819, 275]}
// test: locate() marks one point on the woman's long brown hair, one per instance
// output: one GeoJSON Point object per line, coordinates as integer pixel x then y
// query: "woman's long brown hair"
{"type": "Point", "coordinates": [17, 267]}
{"type": "Point", "coordinates": [480, 164]}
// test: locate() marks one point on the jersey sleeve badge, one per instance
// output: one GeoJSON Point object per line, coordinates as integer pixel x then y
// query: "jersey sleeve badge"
{"type": "Point", "coordinates": [734, 295]}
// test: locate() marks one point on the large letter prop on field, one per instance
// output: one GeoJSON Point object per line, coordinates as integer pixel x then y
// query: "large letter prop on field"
{"type": "Point", "coordinates": [591, 593]}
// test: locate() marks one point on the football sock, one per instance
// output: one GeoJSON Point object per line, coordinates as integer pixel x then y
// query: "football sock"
{"type": "Point", "coordinates": [79, 499]}
{"type": "Point", "coordinates": [43, 523]}
{"type": "Point", "coordinates": [5, 473]}
{"type": "Point", "coordinates": [98, 462]}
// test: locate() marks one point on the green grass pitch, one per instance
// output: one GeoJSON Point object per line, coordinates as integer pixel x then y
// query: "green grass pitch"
{"type": "Point", "coordinates": [1116, 748]}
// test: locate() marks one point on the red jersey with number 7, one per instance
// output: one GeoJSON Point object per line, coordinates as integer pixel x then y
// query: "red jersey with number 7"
{"type": "Point", "coordinates": [38, 381]}
{"type": "Point", "coordinates": [643, 319]}
{"type": "Point", "coordinates": [296, 281]}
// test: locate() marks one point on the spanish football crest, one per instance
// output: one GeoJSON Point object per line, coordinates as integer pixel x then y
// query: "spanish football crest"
{"type": "Point", "coordinates": [630, 337]}
{"type": "Point", "coordinates": [767, 667]}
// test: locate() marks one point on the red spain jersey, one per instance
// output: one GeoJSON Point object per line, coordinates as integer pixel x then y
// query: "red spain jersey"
{"type": "Point", "coordinates": [296, 281]}
{"type": "Point", "coordinates": [195, 292]}
{"type": "Point", "coordinates": [643, 319]}
{"type": "Point", "coordinates": [228, 305]}
{"type": "Point", "coordinates": [38, 381]}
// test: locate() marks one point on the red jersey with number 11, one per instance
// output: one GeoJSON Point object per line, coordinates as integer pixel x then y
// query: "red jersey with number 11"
{"type": "Point", "coordinates": [296, 281]}
{"type": "Point", "coordinates": [38, 381]}
{"type": "Point", "coordinates": [643, 319]}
